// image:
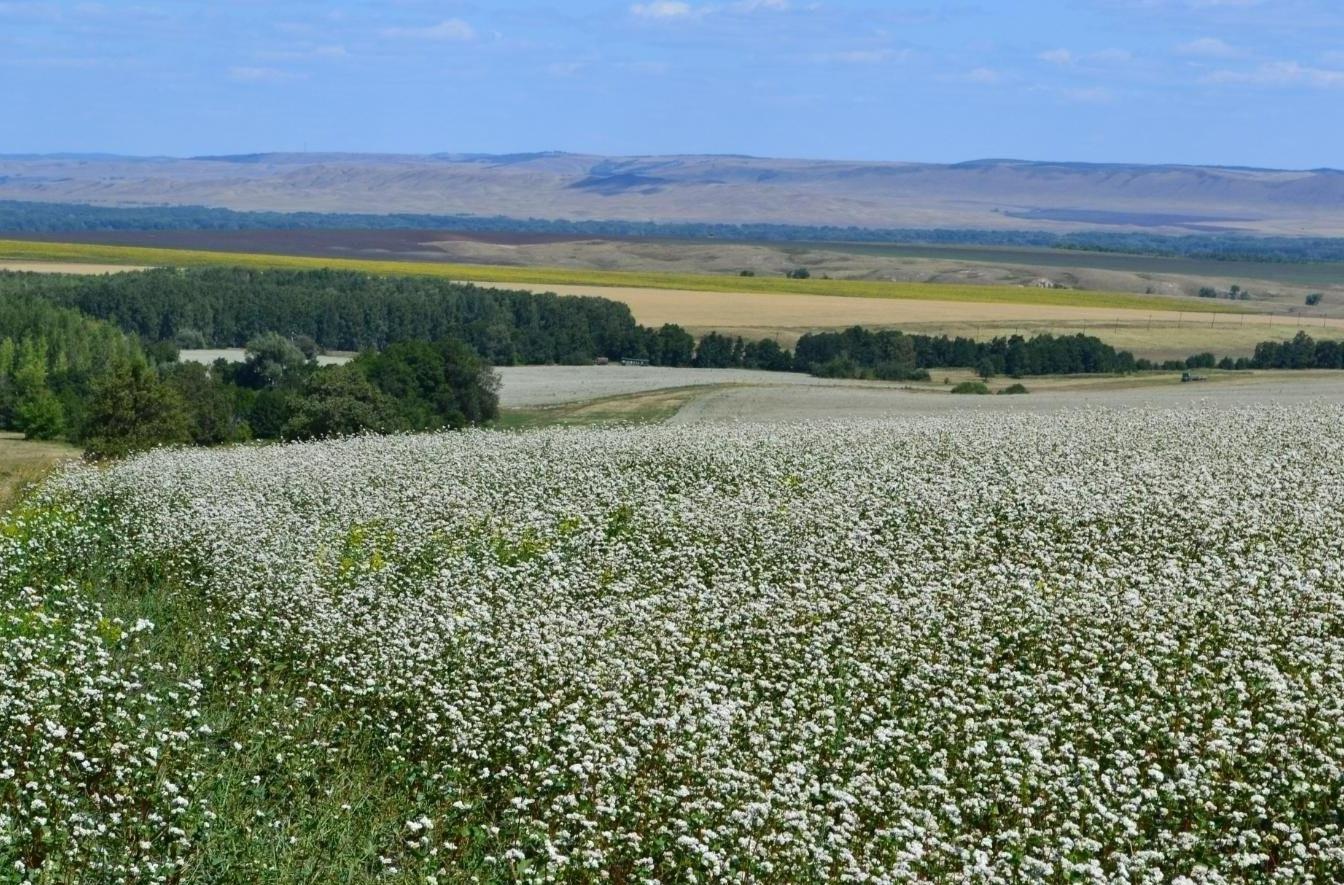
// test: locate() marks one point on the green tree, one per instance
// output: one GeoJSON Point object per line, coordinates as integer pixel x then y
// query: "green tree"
{"type": "Point", "coordinates": [211, 404]}
{"type": "Point", "coordinates": [717, 351]}
{"type": "Point", "coordinates": [268, 411]}
{"type": "Point", "coordinates": [271, 360]}
{"type": "Point", "coordinates": [443, 384]}
{"type": "Point", "coordinates": [339, 401]}
{"type": "Point", "coordinates": [673, 346]}
{"type": "Point", "coordinates": [40, 415]}
{"type": "Point", "coordinates": [35, 409]}
{"type": "Point", "coordinates": [132, 409]}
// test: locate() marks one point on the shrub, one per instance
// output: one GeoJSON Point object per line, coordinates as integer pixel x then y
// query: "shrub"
{"type": "Point", "coordinates": [976, 387]}
{"type": "Point", "coordinates": [1014, 389]}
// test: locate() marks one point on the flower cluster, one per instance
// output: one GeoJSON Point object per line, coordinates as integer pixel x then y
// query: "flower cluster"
{"type": "Point", "coordinates": [92, 725]}
{"type": "Point", "coordinates": [1096, 646]}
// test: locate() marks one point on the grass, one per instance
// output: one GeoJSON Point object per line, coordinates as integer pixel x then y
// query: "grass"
{"type": "Point", "coordinates": [140, 255]}
{"type": "Point", "coordinates": [24, 462]}
{"type": "Point", "coordinates": [650, 406]}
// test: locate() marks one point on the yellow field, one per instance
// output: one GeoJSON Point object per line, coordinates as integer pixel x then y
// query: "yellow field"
{"type": "Point", "coordinates": [596, 279]}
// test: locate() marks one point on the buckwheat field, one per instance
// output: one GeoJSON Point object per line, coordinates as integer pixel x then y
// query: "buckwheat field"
{"type": "Point", "coordinates": [1096, 646]}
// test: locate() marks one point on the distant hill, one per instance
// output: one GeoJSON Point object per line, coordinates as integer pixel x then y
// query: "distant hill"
{"type": "Point", "coordinates": [984, 194]}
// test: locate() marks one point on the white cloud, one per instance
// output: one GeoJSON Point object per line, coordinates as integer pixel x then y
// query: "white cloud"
{"type": "Point", "coordinates": [1066, 57]}
{"type": "Point", "coordinates": [761, 6]}
{"type": "Point", "coordinates": [566, 68]}
{"type": "Point", "coordinates": [262, 75]}
{"type": "Point", "coordinates": [860, 56]}
{"type": "Point", "coordinates": [1112, 56]}
{"type": "Point", "coordinates": [984, 76]}
{"type": "Point", "coordinates": [448, 29]}
{"type": "Point", "coordinates": [662, 9]}
{"type": "Point", "coordinates": [1091, 95]}
{"type": "Point", "coordinates": [1281, 73]}
{"type": "Point", "coordinates": [1207, 47]}
{"type": "Point", "coordinates": [313, 52]}
{"type": "Point", "coordinates": [649, 68]}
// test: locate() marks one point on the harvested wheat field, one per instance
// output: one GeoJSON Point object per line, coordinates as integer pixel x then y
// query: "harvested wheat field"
{"type": "Point", "coordinates": [72, 267]}
{"type": "Point", "coordinates": [1154, 334]}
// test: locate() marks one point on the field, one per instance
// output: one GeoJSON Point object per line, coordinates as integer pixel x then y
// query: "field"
{"type": "Point", "coordinates": [598, 280]}
{"type": "Point", "coordinates": [1074, 269]}
{"type": "Point", "coordinates": [528, 386]}
{"type": "Point", "coordinates": [540, 395]}
{"type": "Point", "coordinates": [1155, 327]}
{"type": "Point", "coordinates": [629, 408]}
{"type": "Point", "coordinates": [1154, 334]}
{"type": "Point", "coordinates": [1323, 274]}
{"type": "Point", "coordinates": [70, 267]}
{"type": "Point", "coordinates": [24, 462]}
{"type": "Point", "coordinates": [1094, 645]}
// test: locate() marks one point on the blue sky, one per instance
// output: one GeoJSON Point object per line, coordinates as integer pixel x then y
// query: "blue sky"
{"type": "Point", "coordinates": [1247, 82]}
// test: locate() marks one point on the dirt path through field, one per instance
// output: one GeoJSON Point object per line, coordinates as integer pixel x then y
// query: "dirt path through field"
{"type": "Point", "coordinates": [727, 405]}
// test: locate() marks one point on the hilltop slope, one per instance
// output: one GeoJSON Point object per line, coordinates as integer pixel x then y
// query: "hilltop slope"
{"type": "Point", "coordinates": [994, 194]}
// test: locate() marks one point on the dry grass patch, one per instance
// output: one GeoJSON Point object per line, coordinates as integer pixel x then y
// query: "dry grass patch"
{"type": "Point", "coordinates": [23, 462]}
{"type": "Point", "coordinates": [70, 267]}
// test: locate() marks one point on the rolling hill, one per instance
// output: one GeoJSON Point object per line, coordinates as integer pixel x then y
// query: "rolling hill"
{"type": "Point", "coordinates": [987, 194]}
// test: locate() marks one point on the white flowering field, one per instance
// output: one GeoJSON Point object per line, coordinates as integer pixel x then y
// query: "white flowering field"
{"type": "Point", "coordinates": [1094, 646]}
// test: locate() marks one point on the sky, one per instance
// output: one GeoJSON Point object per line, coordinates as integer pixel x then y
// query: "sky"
{"type": "Point", "coordinates": [1232, 82]}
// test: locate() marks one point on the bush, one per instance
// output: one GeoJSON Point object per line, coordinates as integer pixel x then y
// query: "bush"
{"type": "Point", "coordinates": [975, 387]}
{"type": "Point", "coordinates": [1014, 389]}
{"type": "Point", "coordinates": [1314, 299]}
{"type": "Point", "coordinates": [895, 371]}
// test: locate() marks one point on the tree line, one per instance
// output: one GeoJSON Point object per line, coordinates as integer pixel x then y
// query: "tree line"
{"type": "Point", "coordinates": [1300, 352]}
{"type": "Point", "coordinates": [347, 310]}
{"type": "Point", "coordinates": [65, 375]}
{"type": "Point", "coordinates": [892, 355]}
{"type": "Point", "coordinates": [95, 359]}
